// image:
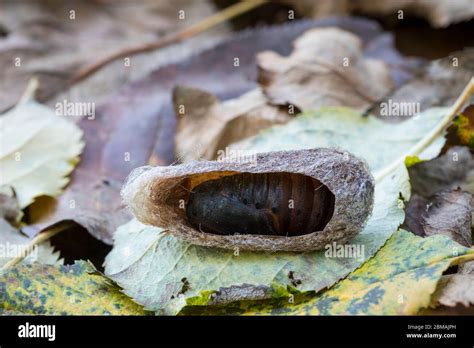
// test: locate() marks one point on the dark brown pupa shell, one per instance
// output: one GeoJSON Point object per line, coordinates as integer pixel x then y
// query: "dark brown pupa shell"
{"type": "Point", "coordinates": [245, 205]}
{"type": "Point", "coordinates": [279, 204]}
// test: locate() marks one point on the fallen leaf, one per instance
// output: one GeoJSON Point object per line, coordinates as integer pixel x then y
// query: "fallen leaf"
{"type": "Point", "coordinates": [439, 13]}
{"type": "Point", "coordinates": [439, 83]}
{"type": "Point", "coordinates": [331, 127]}
{"type": "Point", "coordinates": [454, 289]}
{"type": "Point", "coordinates": [62, 290]}
{"type": "Point", "coordinates": [38, 150]}
{"type": "Point", "coordinates": [163, 273]}
{"type": "Point", "coordinates": [92, 199]}
{"type": "Point", "coordinates": [450, 214]}
{"type": "Point", "coordinates": [326, 68]}
{"type": "Point", "coordinates": [415, 212]}
{"type": "Point", "coordinates": [206, 126]}
{"type": "Point", "coordinates": [381, 286]}
{"type": "Point", "coordinates": [53, 40]}
{"type": "Point", "coordinates": [453, 169]}
{"type": "Point", "coordinates": [432, 182]}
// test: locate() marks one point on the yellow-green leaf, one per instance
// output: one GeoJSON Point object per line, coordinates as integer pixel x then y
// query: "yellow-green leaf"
{"type": "Point", "coordinates": [399, 280]}
{"type": "Point", "coordinates": [78, 289]}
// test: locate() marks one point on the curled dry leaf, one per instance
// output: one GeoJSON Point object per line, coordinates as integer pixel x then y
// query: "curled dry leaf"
{"type": "Point", "coordinates": [326, 68]}
{"type": "Point", "coordinates": [159, 195]}
{"type": "Point", "coordinates": [207, 126]}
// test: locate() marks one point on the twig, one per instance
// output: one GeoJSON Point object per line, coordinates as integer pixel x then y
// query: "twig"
{"type": "Point", "coordinates": [209, 22]}
{"type": "Point", "coordinates": [40, 238]}
{"type": "Point", "coordinates": [428, 139]}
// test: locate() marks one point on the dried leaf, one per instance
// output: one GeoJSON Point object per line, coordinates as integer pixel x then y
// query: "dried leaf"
{"type": "Point", "coordinates": [454, 289]}
{"type": "Point", "coordinates": [206, 126]}
{"type": "Point", "coordinates": [415, 212]}
{"type": "Point", "coordinates": [438, 84]}
{"type": "Point", "coordinates": [77, 289]}
{"type": "Point", "coordinates": [53, 40]}
{"type": "Point", "coordinates": [439, 13]}
{"type": "Point", "coordinates": [326, 68]}
{"type": "Point", "coordinates": [438, 206]}
{"type": "Point", "coordinates": [449, 171]}
{"type": "Point", "coordinates": [39, 149]}
{"type": "Point", "coordinates": [450, 214]}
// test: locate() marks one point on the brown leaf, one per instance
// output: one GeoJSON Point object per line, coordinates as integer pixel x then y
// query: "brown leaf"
{"type": "Point", "coordinates": [447, 213]}
{"type": "Point", "coordinates": [451, 170]}
{"type": "Point", "coordinates": [206, 126]}
{"type": "Point", "coordinates": [454, 289]}
{"type": "Point", "coordinates": [415, 212]}
{"type": "Point", "coordinates": [326, 68]}
{"type": "Point", "coordinates": [92, 199]}
{"type": "Point", "coordinates": [439, 13]}
{"type": "Point", "coordinates": [439, 84]}
{"type": "Point", "coordinates": [450, 215]}
{"type": "Point", "coordinates": [442, 199]}
{"type": "Point", "coordinates": [52, 45]}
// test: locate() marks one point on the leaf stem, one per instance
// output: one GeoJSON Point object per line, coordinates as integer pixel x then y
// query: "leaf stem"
{"type": "Point", "coordinates": [209, 22]}
{"type": "Point", "coordinates": [40, 238]}
{"type": "Point", "coordinates": [431, 136]}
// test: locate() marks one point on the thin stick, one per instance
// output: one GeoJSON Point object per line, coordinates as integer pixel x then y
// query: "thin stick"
{"type": "Point", "coordinates": [431, 136]}
{"type": "Point", "coordinates": [40, 238]}
{"type": "Point", "coordinates": [209, 22]}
